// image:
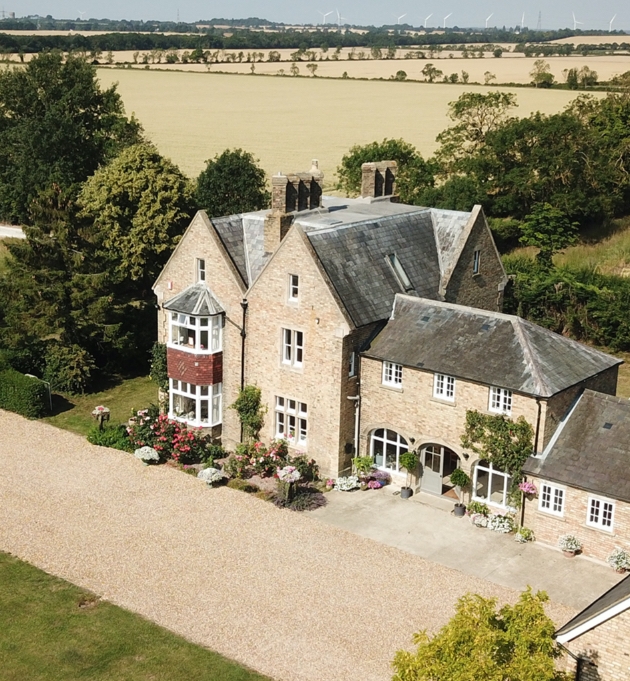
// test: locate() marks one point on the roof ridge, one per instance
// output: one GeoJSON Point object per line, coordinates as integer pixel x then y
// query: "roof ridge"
{"type": "Point", "coordinates": [345, 225]}
{"type": "Point", "coordinates": [541, 383]}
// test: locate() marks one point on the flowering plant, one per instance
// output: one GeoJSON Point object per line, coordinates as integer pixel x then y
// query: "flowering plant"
{"type": "Point", "coordinates": [479, 520]}
{"type": "Point", "coordinates": [147, 454]}
{"type": "Point", "coordinates": [330, 483]}
{"type": "Point", "coordinates": [375, 484]}
{"type": "Point", "coordinates": [501, 523]}
{"type": "Point", "coordinates": [288, 474]}
{"type": "Point", "coordinates": [569, 543]}
{"type": "Point", "coordinates": [527, 488]}
{"type": "Point", "coordinates": [238, 466]}
{"type": "Point", "coordinates": [100, 410]}
{"type": "Point", "coordinates": [347, 484]}
{"type": "Point", "coordinates": [523, 535]}
{"type": "Point", "coordinates": [211, 475]}
{"type": "Point", "coordinates": [619, 560]}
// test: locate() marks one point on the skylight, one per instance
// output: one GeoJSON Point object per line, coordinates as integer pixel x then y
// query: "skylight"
{"type": "Point", "coordinates": [400, 273]}
{"type": "Point", "coordinates": [608, 426]}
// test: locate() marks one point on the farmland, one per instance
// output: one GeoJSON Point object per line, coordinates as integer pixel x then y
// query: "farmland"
{"type": "Point", "coordinates": [285, 122]}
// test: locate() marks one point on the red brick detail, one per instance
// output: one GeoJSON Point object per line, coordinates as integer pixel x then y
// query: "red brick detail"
{"type": "Point", "coordinates": [195, 369]}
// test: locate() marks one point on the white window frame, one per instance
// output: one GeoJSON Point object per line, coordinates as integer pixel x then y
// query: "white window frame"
{"type": "Point", "coordinates": [552, 499]}
{"type": "Point", "coordinates": [500, 401]}
{"type": "Point", "coordinates": [291, 422]}
{"type": "Point", "coordinates": [201, 269]}
{"type": "Point", "coordinates": [352, 368]}
{"type": "Point", "coordinates": [399, 443]}
{"type": "Point", "coordinates": [211, 395]}
{"type": "Point", "coordinates": [293, 348]}
{"type": "Point", "coordinates": [490, 469]}
{"type": "Point", "coordinates": [476, 261]}
{"type": "Point", "coordinates": [213, 326]}
{"type": "Point", "coordinates": [444, 387]}
{"type": "Point", "coordinates": [392, 374]}
{"type": "Point", "coordinates": [604, 509]}
{"type": "Point", "coordinates": [294, 288]}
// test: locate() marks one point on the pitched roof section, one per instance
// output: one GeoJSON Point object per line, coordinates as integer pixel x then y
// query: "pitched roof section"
{"type": "Point", "coordinates": [451, 229]}
{"type": "Point", "coordinates": [613, 602]}
{"type": "Point", "coordinates": [591, 450]}
{"type": "Point", "coordinates": [486, 347]}
{"type": "Point", "coordinates": [195, 300]}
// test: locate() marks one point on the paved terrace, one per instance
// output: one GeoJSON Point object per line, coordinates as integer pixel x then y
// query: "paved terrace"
{"type": "Point", "coordinates": [284, 593]}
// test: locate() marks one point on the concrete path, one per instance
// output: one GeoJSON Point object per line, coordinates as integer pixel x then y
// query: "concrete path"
{"type": "Point", "coordinates": [424, 526]}
{"type": "Point", "coordinates": [10, 231]}
{"type": "Point", "coordinates": [281, 592]}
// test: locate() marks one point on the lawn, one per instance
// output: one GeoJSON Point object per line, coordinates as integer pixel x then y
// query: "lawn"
{"type": "Point", "coordinates": [50, 630]}
{"type": "Point", "coordinates": [73, 412]}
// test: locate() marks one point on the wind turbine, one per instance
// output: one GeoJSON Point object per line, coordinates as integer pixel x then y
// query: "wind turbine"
{"type": "Point", "coordinates": [427, 19]}
{"type": "Point", "coordinates": [402, 16]}
{"type": "Point", "coordinates": [324, 15]}
{"type": "Point", "coordinates": [611, 23]}
{"type": "Point", "coordinates": [445, 18]}
{"type": "Point", "coordinates": [522, 21]}
{"type": "Point", "coordinates": [576, 22]}
{"type": "Point", "coordinates": [81, 14]}
{"type": "Point", "coordinates": [488, 19]}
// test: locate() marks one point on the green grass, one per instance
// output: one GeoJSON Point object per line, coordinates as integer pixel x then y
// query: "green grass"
{"type": "Point", "coordinates": [51, 630]}
{"type": "Point", "coordinates": [73, 412]}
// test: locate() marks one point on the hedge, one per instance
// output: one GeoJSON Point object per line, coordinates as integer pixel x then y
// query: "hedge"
{"type": "Point", "coordinates": [22, 394]}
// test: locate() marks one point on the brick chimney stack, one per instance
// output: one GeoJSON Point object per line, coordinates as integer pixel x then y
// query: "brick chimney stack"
{"type": "Point", "coordinates": [291, 194]}
{"type": "Point", "coordinates": [379, 179]}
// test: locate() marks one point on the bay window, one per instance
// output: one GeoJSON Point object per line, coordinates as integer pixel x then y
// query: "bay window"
{"type": "Point", "coordinates": [199, 405]}
{"type": "Point", "coordinates": [196, 334]}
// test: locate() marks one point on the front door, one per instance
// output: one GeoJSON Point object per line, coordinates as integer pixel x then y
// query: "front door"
{"type": "Point", "coordinates": [432, 462]}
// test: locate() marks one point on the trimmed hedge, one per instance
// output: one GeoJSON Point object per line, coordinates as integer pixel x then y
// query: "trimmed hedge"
{"type": "Point", "coordinates": [22, 394]}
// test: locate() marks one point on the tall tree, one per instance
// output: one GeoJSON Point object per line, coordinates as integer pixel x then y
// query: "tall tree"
{"type": "Point", "coordinates": [56, 127]}
{"type": "Point", "coordinates": [514, 643]}
{"type": "Point", "coordinates": [232, 182]}
{"type": "Point", "coordinates": [550, 230]}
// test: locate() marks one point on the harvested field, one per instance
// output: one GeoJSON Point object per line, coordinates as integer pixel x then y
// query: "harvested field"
{"type": "Point", "coordinates": [285, 122]}
{"type": "Point", "coordinates": [277, 591]}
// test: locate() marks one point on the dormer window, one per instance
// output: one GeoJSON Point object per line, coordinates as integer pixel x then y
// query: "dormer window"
{"type": "Point", "coordinates": [198, 334]}
{"type": "Point", "coordinates": [294, 287]}
{"type": "Point", "coordinates": [399, 272]}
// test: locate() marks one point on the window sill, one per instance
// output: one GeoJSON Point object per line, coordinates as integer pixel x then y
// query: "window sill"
{"type": "Point", "coordinates": [555, 516]}
{"type": "Point", "coordinates": [395, 388]}
{"type": "Point", "coordinates": [195, 424]}
{"type": "Point", "coordinates": [299, 368]}
{"type": "Point", "coordinates": [439, 400]}
{"type": "Point", "coordinates": [602, 530]}
{"type": "Point", "coordinates": [192, 351]}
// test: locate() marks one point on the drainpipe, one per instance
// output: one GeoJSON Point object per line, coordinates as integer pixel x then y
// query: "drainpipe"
{"type": "Point", "coordinates": [244, 305]}
{"type": "Point", "coordinates": [537, 425]}
{"type": "Point", "coordinates": [580, 661]}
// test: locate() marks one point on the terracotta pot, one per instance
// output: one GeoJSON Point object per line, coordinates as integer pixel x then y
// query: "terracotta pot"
{"type": "Point", "coordinates": [569, 554]}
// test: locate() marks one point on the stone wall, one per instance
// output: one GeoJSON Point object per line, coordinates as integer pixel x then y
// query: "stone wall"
{"type": "Point", "coordinates": [483, 290]}
{"type": "Point", "coordinates": [596, 543]}
{"type": "Point", "coordinates": [201, 241]}
{"type": "Point", "coordinates": [318, 383]}
{"type": "Point", "coordinates": [607, 646]}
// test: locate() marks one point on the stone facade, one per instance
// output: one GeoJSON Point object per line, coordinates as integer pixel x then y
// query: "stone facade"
{"type": "Point", "coordinates": [606, 646]}
{"type": "Point", "coordinates": [483, 289]}
{"type": "Point", "coordinates": [201, 241]}
{"type": "Point", "coordinates": [597, 543]}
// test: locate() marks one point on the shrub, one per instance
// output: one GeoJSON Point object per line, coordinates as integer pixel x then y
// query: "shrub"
{"type": "Point", "coordinates": [23, 395]}
{"type": "Point", "coordinates": [305, 499]}
{"type": "Point", "coordinates": [251, 412]}
{"type": "Point", "coordinates": [501, 523]}
{"type": "Point", "coordinates": [266, 461]}
{"type": "Point", "coordinates": [211, 475]}
{"type": "Point", "coordinates": [347, 484]}
{"type": "Point", "coordinates": [479, 519]}
{"type": "Point", "coordinates": [238, 466]}
{"type": "Point", "coordinates": [158, 373]}
{"type": "Point", "coordinates": [363, 464]}
{"type": "Point", "coordinates": [569, 542]}
{"type": "Point", "coordinates": [115, 437]}
{"type": "Point", "coordinates": [460, 478]}
{"type": "Point", "coordinates": [619, 560]}
{"type": "Point", "coordinates": [264, 494]}
{"type": "Point", "coordinates": [477, 507]}
{"type": "Point", "coordinates": [308, 468]}
{"type": "Point", "coordinates": [147, 454]}
{"type": "Point", "coordinates": [69, 368]}
{"type": "Point", "coordinates": [212, 453]}
{"type": "Point", "coordinates": [243, 486]}
{"type": "Point", "coordinates": [523, 535]}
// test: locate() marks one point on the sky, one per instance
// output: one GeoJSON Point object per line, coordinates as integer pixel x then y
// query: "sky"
{"type": "Point", "coordinates": [555, 14]}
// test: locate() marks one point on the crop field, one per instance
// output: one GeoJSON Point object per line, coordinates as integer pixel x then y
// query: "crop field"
{"type": "Point", "coordinates": [285, 122]}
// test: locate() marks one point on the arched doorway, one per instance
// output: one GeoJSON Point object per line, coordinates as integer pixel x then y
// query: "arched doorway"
{"type": "Point", "coordinates": [386, 446]}
{"type": "Point", "coordinates": [438, 462]}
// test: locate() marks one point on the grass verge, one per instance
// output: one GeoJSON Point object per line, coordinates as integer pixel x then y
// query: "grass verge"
{"type": "Point", "coordinates": [74, 412]}
{"type": "Point", "coordinates": [51, 630]}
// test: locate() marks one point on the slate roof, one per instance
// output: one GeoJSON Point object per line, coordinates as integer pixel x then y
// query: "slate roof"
{"type": "Point", "coordinates": [619, 593]}
{"type": "Point", "coordinates": [195, 300]}
{"type": "Point", "coordinates": [591, 448]}
{"type": "Point", "coordinates": [483, 346]}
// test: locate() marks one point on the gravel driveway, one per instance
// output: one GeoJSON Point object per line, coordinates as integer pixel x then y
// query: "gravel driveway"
{"type": "Point", "coordinates": [274, 590]}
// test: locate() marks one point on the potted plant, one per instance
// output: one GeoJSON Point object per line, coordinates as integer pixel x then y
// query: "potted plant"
{"type": "Point", "coordinates": [619, 560]}
{"type": "Point", "coordinates": [569, 544]}
{"type": "Point", "coordinates": [461, 481]}
{"type": "Point", "coordinates": [409, 462]}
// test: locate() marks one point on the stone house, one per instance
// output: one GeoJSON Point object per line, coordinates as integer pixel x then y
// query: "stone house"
{"type": "Point", "coordinates": [582, 477]}
{"type": "Point", "coordinates": [286, 298]}
{"type": "Point", "coordinates": [597, 637]}
{"type": "Point", "coordinates": [435, 360]}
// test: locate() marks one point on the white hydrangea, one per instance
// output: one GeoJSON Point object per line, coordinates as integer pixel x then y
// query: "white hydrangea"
{"type": "Point", "coordinates": [210, 475]}
{"type": "Point", "coordinates": [288, 474]}
{"type": "Point", "coordinates": [146, 454]}
{"type": "Point", "coordinates": [347, 484]}
{"type": "Point", "coordinates": [501, 523]}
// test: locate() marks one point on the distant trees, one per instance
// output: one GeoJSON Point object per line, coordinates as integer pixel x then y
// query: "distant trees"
{"type": "Point", "coordinates": [56, 127]}
{"type": "Point", "coordinates": [541, 74]}
{"type": "Point", "coordinates": [232, 182]}
{"type": "Point", "coordinates": [550, 230]}
{"type": "Point", "coordinates": [514, 643]}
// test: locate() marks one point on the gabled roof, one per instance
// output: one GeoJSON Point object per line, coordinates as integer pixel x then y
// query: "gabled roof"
{"type": "Point", "coordinates": [486, 347]}
{"type": "Point", "coordinates": [195, 300]}
{"type": "Point", "coordinates": [591, 448]}
{"type": "Point", "coordinates": [612, 603]}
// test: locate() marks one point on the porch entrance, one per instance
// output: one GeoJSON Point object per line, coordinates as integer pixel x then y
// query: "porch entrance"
{"type": "Point", "coordinates": [438, 463]}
